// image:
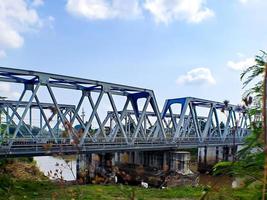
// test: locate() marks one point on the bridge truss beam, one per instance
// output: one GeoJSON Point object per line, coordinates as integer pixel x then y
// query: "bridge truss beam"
{"type": "Point", "coordinates": [190, 124]}
{"type": "Point", "coordinates": [62, 127]}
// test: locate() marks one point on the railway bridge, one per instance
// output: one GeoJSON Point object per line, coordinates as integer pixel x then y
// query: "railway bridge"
{"type": "Point", "coordinates": [56, 114]}
{"type": "Point", "coordinates": [48, 117]}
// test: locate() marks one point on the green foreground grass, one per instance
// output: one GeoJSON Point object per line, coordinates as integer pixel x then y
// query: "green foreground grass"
{"type": "Point", "coordinates": [47, 190]}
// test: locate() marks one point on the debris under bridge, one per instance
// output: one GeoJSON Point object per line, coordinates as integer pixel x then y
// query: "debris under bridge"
{"type": "Point", "coordinates": [172, 171]}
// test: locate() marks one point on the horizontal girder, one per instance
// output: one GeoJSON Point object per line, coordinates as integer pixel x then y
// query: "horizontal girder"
{"type": "Point", "coordinates": [62, 81]}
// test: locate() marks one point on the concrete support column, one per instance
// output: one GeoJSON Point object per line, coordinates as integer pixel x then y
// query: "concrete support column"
{"type": "Point", "coordinates": [137, 158]}
{"type": "Point", "coordinates": [89, 165]}
{"type": "Point", "coordinates": [82, 167]}
{"type": "Point", "coordinates": [116, 158]}
{"type": "Point", "coordinates": [209, 156]}
{"type": "Point", "coordinates": [166, 161]}
{"type": "Point", "coordinates": [205, 157]}
{"type": "Point", "coordinates": [217, 154]}
{"type": "Point", "coordinates": [202, 159]}
{"type": "Point", "coordinates": [131, 157]}
{"type": "Point", "coordinates": [179, 161]}
{"type": "Point", "coordinates": [225, 153]}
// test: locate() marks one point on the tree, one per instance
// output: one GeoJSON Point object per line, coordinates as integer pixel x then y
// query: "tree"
{"type": "Point", "coordinates": [259, 90]}
{"type": "Point", "coordinates": [252, 159]}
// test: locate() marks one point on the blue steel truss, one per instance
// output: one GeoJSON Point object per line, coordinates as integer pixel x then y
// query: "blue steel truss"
{"type": "Point", "coordinates": [135, 127]}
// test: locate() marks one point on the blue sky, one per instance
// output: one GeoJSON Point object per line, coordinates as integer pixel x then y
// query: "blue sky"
{"type": "Point", "coordinates": [175, 47]}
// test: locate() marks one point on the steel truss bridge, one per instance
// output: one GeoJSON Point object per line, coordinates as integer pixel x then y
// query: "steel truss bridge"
{"type": "Point", "coordinates": [137, 125]}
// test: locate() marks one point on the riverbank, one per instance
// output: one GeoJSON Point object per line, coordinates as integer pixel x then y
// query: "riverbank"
{"type": "Point", "coordinates": [21, 179]}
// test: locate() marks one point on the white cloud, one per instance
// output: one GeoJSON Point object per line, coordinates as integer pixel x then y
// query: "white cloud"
{"type": "Point", "coordinates": [38, 3]}
{"type": "Point", "coordinates": [167, 11]}
{"type": "Point", "coordinates": [16, 18]}
{"type": "Point", "coordinates": [163, 11]}
{"type": "Point", "coordinates": [104, 9]}
{"type": "Point", "coordinates": [243, 1]}
{"type": "Point", "coordinates": [7, 91]}
{"type": "Point", "coordinates": [248, 2]}
{"type": "Point", "coordinates": [200, 75]}
{"type": "Point", "coordinates": [241, 65]}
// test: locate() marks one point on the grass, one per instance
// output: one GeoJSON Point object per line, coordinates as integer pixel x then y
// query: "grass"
{"type": "Point", "coordinates": [126, 192]}
{"type": "Point", "coordinates": [48, 190]}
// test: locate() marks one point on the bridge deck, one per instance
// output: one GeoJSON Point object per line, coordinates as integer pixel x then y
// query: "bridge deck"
{"type": "Point", "coordinates": [43, 149]}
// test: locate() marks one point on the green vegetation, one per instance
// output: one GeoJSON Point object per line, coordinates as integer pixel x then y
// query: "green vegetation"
{"type": "Point", "coordinates": [99, 192]}
{"type": "Point", "coordinates": [47, 190]}
{"type": "Point", "coordinates": [252, 158]}
{"type": "Point", "coordinates": [20, 179]}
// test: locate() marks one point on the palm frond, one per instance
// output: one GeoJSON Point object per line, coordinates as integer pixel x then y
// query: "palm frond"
{"type": "Point", "coordinates": [256, 70]}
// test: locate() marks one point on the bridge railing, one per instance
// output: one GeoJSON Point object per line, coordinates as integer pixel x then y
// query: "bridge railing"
{"type": "Point", "coordinates": [65, 146]}
{"type": "Point", "coordinates": [119, 141]}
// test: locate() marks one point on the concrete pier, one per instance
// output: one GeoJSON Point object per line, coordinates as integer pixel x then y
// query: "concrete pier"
{"type": "Point", "coordinates": [209, 156]}
{"type": "Point", "coordinates": [91, 165]}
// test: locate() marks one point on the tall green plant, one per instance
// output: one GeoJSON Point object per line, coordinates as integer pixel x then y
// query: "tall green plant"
{"type": "Point", "coordinates": [251, 162]}
{"type": "Point", "coordinates": [259, 70]}
{"type": "Point", "coordinates": [253, 81]}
